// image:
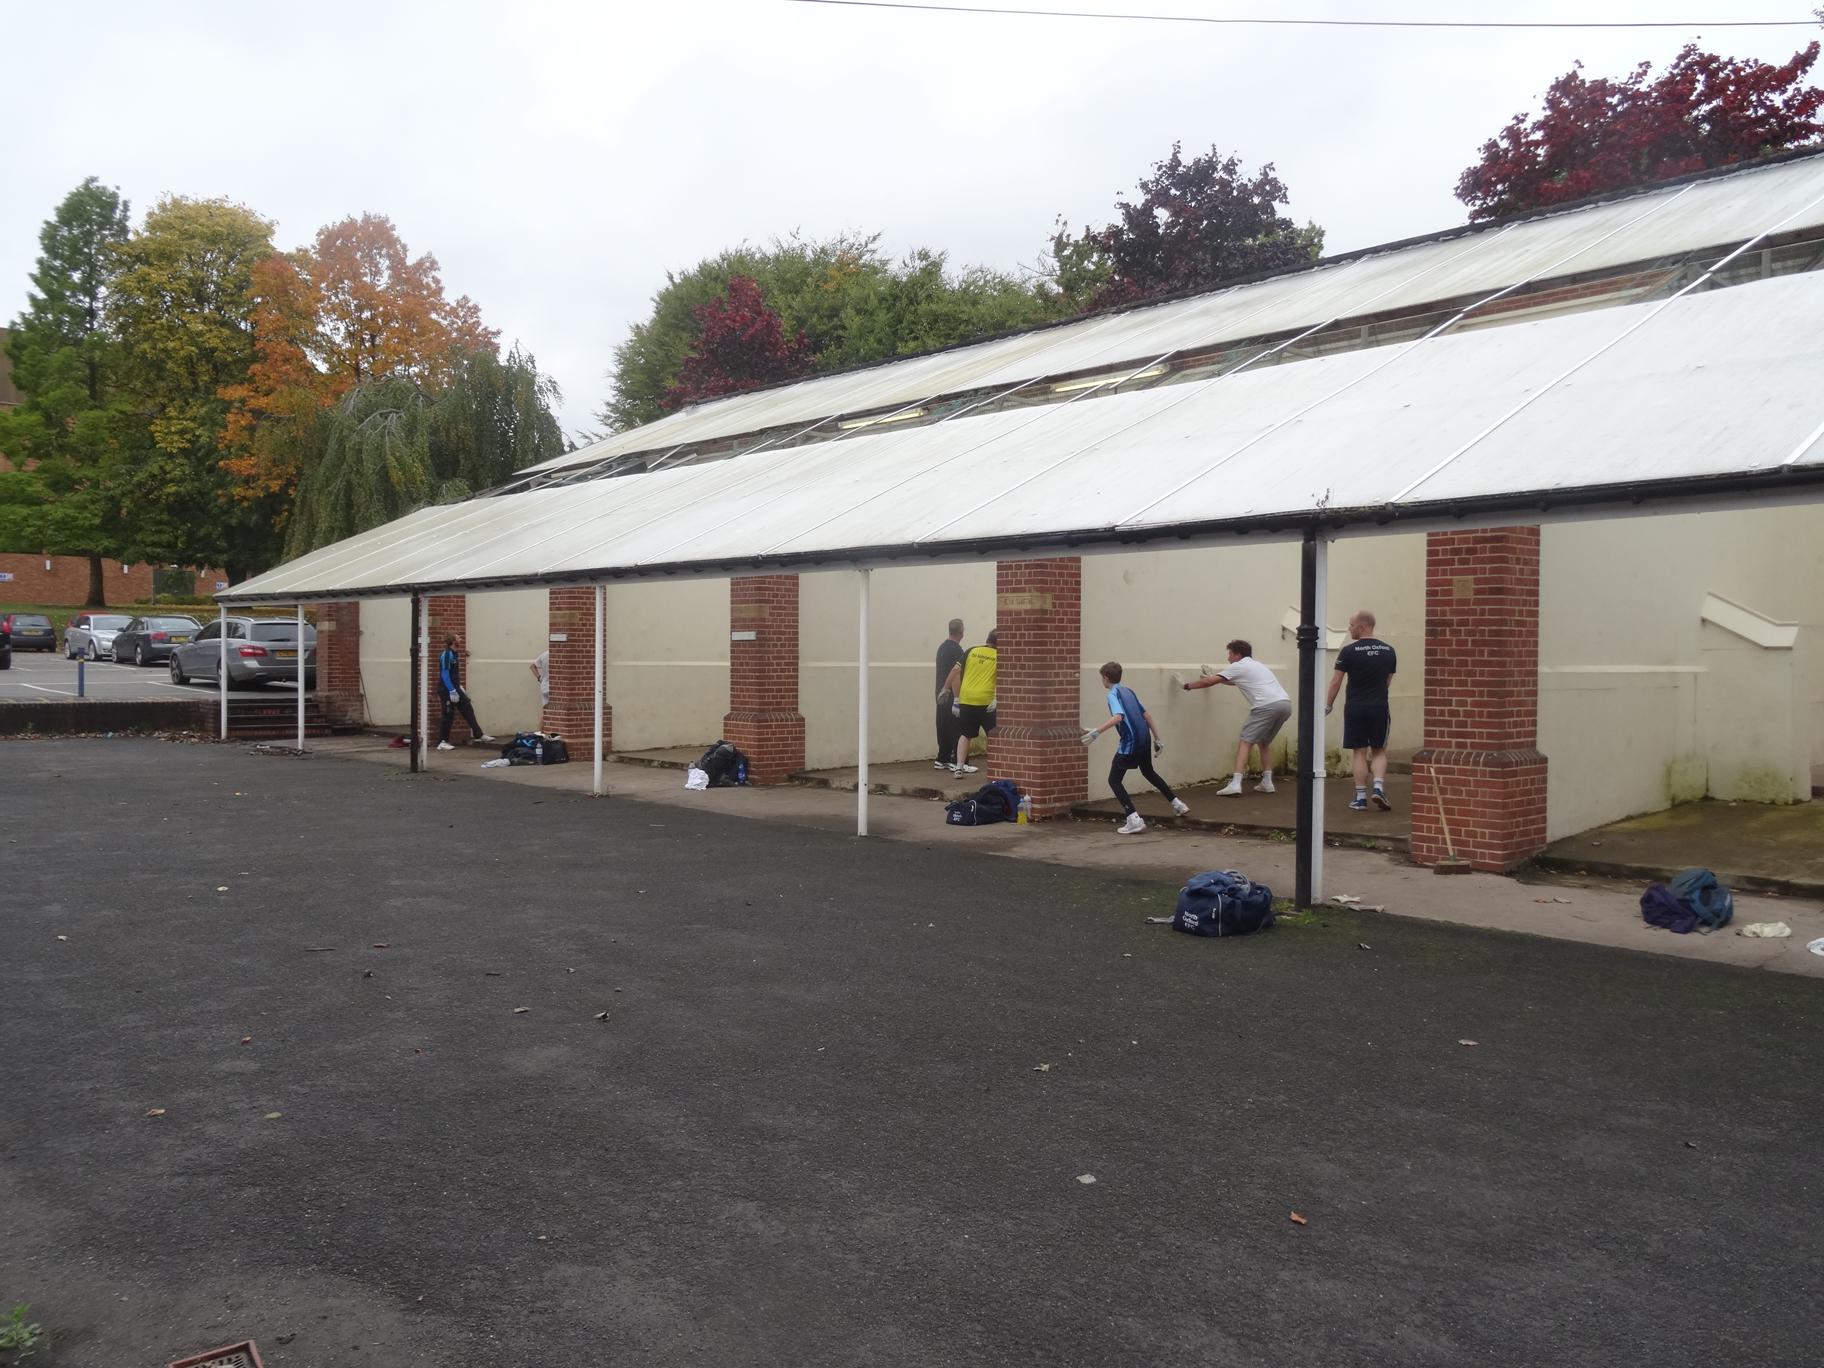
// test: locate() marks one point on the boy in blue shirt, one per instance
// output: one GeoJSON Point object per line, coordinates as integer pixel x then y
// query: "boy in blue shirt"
{"type": "Point", "coordinates": [1139, 742]}
{"type": "Point", "coordinates": [455, 697]}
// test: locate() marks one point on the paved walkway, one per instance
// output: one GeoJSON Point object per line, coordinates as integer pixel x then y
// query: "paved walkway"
{"type": "Point", "coordinates": [1594, 911]}
{"type": "Point", "coordinates": [1760, 846]}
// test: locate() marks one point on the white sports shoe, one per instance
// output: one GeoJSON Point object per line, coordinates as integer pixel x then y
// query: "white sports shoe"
{"type": "Point", "coordinates": [962, 769]}
{"type": "Point", "coordinates": [1133, 826]}
{"type": "Point", "coordinates": [939, 765]}
{"type": "Point", "coordinates": [1265, 785]}
{"type": "Point", "coordinates": [445, 745]}
{"type": "Point", "coordinates": [1180, 807]}
{"type": "Point", "coordinates": [484, 737]}
{"type": "Point", "coordinates": [1232, 789]}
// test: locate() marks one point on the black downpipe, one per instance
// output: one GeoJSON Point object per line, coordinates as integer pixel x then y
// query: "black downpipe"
{"type": "Point", "coordinates": [417, 683]}
{"type": "Point", "coordinates": [1310, 750]}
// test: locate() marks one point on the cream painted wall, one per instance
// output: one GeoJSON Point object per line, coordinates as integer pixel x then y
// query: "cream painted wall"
{"type": "Point", "coordinates": [386, 629]}
{"type": "Point", "coordinates": [506, 631]}
{"type": "Point", "coordinates": [667, 662]}
{"type": "Point", "coordinates": [909, 615]}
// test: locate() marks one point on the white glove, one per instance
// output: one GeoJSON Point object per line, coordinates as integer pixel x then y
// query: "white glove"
{"type": "Point", "coordinates": [1158, 746]}
{"type": "Point", "coordinates": [1328, 708]}
{"type": "Point", "coordinates": [1089, 736]}
{"type": "Point", "coordinates": [956, 710]}
{"type": "Point", "coordinates": [454, 695]}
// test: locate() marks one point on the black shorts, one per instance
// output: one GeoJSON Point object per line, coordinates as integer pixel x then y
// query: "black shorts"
{"type": "Point", "coordinates": [974, 721]}
{"type": "Point", "coordinates": [1366, 726]}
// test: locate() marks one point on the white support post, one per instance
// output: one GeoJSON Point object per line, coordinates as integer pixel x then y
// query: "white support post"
{"type": "Point", "coordinates": [1321, 751]}
{"type": "Point", "coordinates": [601, 686]}
{"type": "Point", "coordinates": [861, 708]}
{"type": "Point", "coordinates": [302, 656]}
{"type": "Point", "coordinates": [221, 679]}
{"type": "Point", "coordinates": [423, 682]}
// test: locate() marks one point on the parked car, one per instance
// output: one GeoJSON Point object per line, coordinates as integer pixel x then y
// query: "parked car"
{"type": "Point", "coordinates": [259, 650]}
{"type": "Point", "coordinates": [91, 635]}
{"type": "Point", "coordinates": [6, 649]}
{"type": "Point", "coordinates": [29, 631]}
{"type": "Point", "coordinates": [147, 640]}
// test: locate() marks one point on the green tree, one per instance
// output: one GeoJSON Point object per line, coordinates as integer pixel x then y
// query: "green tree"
{"type": "Point", "coordinates": [843, 296]}
{"type": "Point", "coordinates": [182, 307]}
{"type": "Point", "coordinates": [66, 433]}
{"type": "Point", "coordinates": [493, 418]}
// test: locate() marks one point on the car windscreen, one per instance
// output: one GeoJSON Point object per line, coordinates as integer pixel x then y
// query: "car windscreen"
{"type": "Point", "coordinates": [282, 631]}
{"type": "Point", "coordinates": [29, 620]}
{"type": "Point", "coordinates": [171, 624]}
{"type": "Point", "coordinates": [109, 622]}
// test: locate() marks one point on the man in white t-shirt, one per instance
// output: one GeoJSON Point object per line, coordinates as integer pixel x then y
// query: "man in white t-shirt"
{"type": "Point", "coordinates": [541, 671]}
{"type": "Point", "coordinates": [1268, 708]}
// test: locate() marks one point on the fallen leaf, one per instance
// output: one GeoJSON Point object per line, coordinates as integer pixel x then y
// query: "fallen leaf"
{"type": "Point", "coordinates": [367, 973]}
{"type": "Point", "coordinates": [490, 973]}
{"type": "Point", "coordinates": [518, 1010]}
{"type": "Point", "coordinates": [1469, 1042]}
{"type": "Point", "coordinates": [417, 1049]}
{"type": "Point", "coordinates": [156, 1111]}
{"type": "Point", "coordinates": [1345, 899]}
{"type": "Point", "coordinates": [1041, 1068]}
{"type": "Point", "coordinates": [544, 1237]}
{"type": "Point", "coordinates": [383, 945]}
{"type": "Point", "coordinates": [1086, 1178]}
{"type": "Point", "coordinates": [1299, 1220]}
{"type": "Point", "coordinates": [246, 1040]}
{"type": "Point", "coordinates": [601, 1016]}
{"type": "Point", "coordinates": [1363, 945]}
{"type": "Point", "coordinates": [274, 1116]}
{"type": "Point", "coordinates": [1565, 901]}
{"type": "Point", "coordinates": [317, 949]}
{"type": "Point", "coordinates": [221, 888]}
{"type": "Point", "coordinates": [63, 938]}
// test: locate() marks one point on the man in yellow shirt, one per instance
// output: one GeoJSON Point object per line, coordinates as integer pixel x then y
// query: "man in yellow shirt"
{"type": "Point", "coordinates": [971, 686]}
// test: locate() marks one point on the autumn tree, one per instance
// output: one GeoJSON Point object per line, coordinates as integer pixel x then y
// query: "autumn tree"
{"type": "Point", "coordinates": [1196, 224]}
{"type": "Point", "coordinates": [1596, 135]}
{"type": "Point", "coordinates": [741, 344]}
{"type": "Point", "coordinates": [65, 435]}
{"type": "Point", "coordinates": [182, 308]}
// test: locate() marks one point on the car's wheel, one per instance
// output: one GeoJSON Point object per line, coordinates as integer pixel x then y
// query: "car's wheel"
{"type": "Point", "coordinates": [139, 656]}
{"type": "Point", "coordinates": [89, 652]}
{"type": "Point", "coordinates": [177, 671]}
{"type": "Point", "coordinates": [114, 655]}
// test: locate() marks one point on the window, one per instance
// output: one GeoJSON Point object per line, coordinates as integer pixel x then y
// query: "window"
{"type": "Point", "coordinates": [210, 633]}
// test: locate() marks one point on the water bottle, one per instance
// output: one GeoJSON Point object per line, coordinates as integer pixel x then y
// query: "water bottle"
{"type": "Point", "coordinates": [538, 751]}
{"type": "Point", "coordinates": [1025, 813]}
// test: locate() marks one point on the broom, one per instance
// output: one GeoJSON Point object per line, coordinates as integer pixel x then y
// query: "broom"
{"type": "Point", "coordinates": [1450, 864]}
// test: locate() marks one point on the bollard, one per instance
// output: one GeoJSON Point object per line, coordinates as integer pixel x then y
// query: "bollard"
{"type": "Point", "coordinates": [81, 667]}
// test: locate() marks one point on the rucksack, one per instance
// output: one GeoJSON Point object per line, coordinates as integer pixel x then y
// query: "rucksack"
{"type": "Point", "coordinates": [1711, 903]}
{"type": "Point", "coordinates": [995, 801]}
{"type": "Point", "coordinates": [1660, 906]}
{"type": "Point", "coordinates": [1222, 902]}
{"type": "Point", "coordinates": [725, 766]}
{"type": "Point", "coordinates": [535, 748]}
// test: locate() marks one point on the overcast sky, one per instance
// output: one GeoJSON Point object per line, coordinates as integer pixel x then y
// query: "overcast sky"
{"type": "Point", "coordinates": [559, 159]}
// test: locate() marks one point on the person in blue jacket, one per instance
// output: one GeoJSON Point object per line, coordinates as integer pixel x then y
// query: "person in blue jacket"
{"type": "Point", "coordinates": [455, 697]}
{"type": "Point", "coordinates": [1140, 741]}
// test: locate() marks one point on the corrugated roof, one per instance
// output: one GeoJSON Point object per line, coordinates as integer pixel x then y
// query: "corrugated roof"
{"type": "Point", "coordinates": [1655, 225]}
{"type": "Point", "coordinates": [1724, 388]}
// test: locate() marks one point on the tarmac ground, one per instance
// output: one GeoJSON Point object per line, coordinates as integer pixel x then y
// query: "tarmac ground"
{"type": "Point", "coordinates": [780, 1095]}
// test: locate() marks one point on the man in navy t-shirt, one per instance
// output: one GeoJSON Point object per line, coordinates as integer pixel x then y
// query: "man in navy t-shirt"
{"type": "Point", "coordinates": [1367, 663]}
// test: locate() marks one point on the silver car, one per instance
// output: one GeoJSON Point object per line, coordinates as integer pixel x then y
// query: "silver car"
{"type": "Point", "coordinates": [259, 649]}
{"type": "Point", "coordinates": [91, 635]}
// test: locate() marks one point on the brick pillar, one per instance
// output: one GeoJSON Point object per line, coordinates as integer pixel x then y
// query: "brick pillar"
{"type": "Point", "coordinates": [1039, 612]}
{"type": "Point", "coordinates": [763, 718]}
{"type": "Point", "coordinates": [339, 663]}
{"type": "Point", "coordinates": [447, 615]}
{"type": "Point", "coordinates": [1481, 750]}
{"type": "Point", "coordinates": [571, 711]}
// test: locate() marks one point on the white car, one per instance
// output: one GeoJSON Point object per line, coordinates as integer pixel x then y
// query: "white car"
{"type": "Point", "coordinates": [91, 635]}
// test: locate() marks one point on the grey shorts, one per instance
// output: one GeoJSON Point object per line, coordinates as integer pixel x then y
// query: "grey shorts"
{"type": "Point", "coordinates": [1264, 721]}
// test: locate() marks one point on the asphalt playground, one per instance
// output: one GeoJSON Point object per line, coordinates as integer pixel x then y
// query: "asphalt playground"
{"type": "Point", "coordinates": [266, 1074]}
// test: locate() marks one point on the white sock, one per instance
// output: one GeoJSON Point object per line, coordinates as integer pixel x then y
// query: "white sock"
{"type": "Point", "coordinates": [1360, 792]}
{"type": "Point", "coordinates": [1239, 776]}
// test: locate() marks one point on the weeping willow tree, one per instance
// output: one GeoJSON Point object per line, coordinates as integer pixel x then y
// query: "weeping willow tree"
{"type": "Point", "coordinates": [390, 446]}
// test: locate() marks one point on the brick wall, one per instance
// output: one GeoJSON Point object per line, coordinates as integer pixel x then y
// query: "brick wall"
{"type": "Point", "coordinates": [1479, 783]}
{"type": "Point", "coordinates": [339, 663]}
{"type": "Point", "coordinates": [571, 711]}
{"type": "Point", "coordinates": [448, 615]}
{"type": "Point", "coordinates": [763, 718]}
{"type": "Point", "coordinates": [1039, 613]}
{"type": "Point", "coordinates": [67, 581]}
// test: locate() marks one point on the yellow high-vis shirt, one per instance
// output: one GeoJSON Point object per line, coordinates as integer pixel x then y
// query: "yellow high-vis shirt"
{"type": "Point", "coordinates": [979, 666]}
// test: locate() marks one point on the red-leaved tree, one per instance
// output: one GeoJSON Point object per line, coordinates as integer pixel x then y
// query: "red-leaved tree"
{"type": "Point", "coordinates": [742, 345]}
{"type": "Point", "coordinates": [1599, 135]}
